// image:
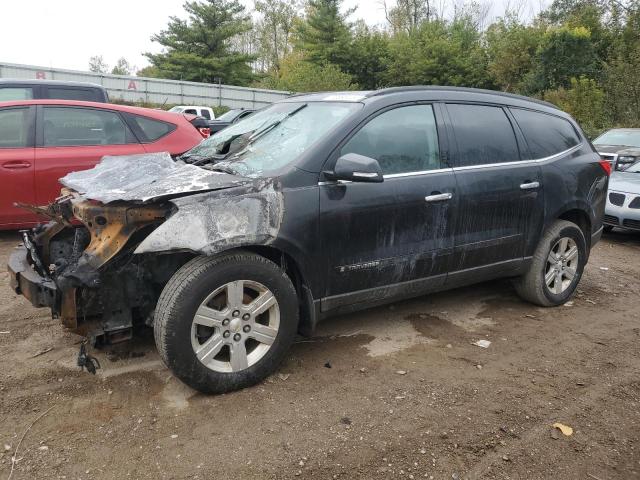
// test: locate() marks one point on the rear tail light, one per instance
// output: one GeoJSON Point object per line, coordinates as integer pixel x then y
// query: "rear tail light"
{"type": "Point", "coordinates": [606, 166]}
{"type": "Point", "coordinates": [205, 132]}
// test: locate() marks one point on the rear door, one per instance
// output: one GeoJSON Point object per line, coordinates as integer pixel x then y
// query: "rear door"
{"type": "Point", "coordinates": [76, 138]}
{"type": "Point", "coordinates": [393, 238]}
{"type": "Point", "coordinates": [501, 197]}
{"type": "Point", "coordinates": [17, 127]}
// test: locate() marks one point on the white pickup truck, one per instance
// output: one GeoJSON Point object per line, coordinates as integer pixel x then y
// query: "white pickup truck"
{"type": "Point", "coordinates": [205, 112]}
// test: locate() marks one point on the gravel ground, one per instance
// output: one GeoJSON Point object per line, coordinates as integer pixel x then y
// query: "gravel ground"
{"type": "Point", "coordinates": [407, 394]}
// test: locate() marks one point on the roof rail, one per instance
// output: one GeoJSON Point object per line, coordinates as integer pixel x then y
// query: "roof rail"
{"type": "Point", "coordinates": [388, 91]}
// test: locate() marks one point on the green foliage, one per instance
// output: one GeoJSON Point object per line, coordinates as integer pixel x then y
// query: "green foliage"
{"type": "Point", "coordinates": [368, 58]}
{"type": "Point", "coordinates": [275, 29]}
{"type": "Point", "coordinates": [439, 53]}
{"type": "Point", "coordinates": [324, 35]}
{"type": "Point", "coordinates": [564, 53]}
{"type": "Point", "coordinates": [622, 86]}
{"type": "Point", "coordinates": [299, 75]}
{"type": "Point", "coordinates": [511, 48]}
{"type": "Point", "coordinates": [584, 100]}
{"type": "Point", "coordinates": [200, 48]}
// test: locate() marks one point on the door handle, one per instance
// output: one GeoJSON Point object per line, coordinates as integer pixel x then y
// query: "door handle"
{"type": "Point", "coordinates": [439, 197]}
{"type": "Point", "coordinates": [530, 186]}
{"type": "Point", "coordinates": [15, 164]}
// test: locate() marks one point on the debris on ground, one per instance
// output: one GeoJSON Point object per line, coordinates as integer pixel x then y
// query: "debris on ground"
{"type": "Point", "coordinates": [401, 372]}
{"type": "Point", "coordinates": [604, 269]}
{"type": "Point", "coordinates": [482, 343]}
{"type": "Point", "coordinates": [568, 304]}
{"type": "Point", "coordinates": [284, 376]}
{"type": "Point", "coordinates": [327, 365]}
{"type": "Point", "coordinates": [42, 352]}
{"type": "Point", "coordinates": [566, 430]}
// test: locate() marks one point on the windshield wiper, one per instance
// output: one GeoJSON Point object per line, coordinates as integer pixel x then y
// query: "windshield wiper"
{"type": "Point", "coordinates": [256, 135]}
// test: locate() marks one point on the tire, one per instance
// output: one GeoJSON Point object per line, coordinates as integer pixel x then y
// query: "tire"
{"type": "Point", "coordinates": [607, 228]}
{"type": "Point", "coordinates": [533, 285]}
{"type": "Point", "coordinates": [179, 333]}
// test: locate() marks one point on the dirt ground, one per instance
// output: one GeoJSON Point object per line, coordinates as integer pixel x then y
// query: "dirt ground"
{"type": "Point", "coordinates": [393, 392]}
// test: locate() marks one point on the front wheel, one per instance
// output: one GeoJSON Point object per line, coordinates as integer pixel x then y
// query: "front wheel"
{"type": "Point", "coordinates": [226, 323]}
{"type": "Point", "coordinates": [556, 267]}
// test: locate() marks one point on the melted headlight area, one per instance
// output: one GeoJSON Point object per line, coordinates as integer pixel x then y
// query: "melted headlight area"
{"type": "Point", "coordinates": [104, 290]}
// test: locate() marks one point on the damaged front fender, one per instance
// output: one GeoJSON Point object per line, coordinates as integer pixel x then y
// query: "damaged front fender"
{"type": "Point", "coordinates": [212, 222]}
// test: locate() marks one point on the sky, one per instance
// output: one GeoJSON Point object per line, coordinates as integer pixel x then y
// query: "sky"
{"type": "Point", "coordinates": [66, 33]}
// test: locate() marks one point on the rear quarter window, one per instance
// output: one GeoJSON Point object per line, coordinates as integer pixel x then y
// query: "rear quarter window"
{"type": "Point", "coordinates": [151, 128]}
{"type": "Point", "coordinates": [546, 134]}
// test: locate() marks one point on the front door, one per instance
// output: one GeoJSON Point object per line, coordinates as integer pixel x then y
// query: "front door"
{"type": "Point", "coordinates": [389, 239]}
{"type": "Point", "coordinates": [17, 126]}
{"type": "Point", "coordinates": [500, 195]}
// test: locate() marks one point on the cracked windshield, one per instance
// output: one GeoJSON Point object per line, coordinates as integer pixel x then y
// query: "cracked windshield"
{"type": "Point", "coordinates": [270, 139]}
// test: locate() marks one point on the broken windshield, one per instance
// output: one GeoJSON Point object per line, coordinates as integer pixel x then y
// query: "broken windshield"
{"type": "Point", "coordinates": [271, 138]}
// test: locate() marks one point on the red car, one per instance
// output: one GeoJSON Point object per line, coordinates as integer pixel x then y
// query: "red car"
{"type": "Point", "coordinates": [43, 140]}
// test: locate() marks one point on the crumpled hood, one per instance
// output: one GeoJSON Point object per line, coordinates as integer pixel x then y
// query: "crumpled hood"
{"type": "Point", "coordinates": [145, 177]}
{"type": "Point", "coordinates": [619, 149]}
{"type": "Point", "coordinates": [626, 182]}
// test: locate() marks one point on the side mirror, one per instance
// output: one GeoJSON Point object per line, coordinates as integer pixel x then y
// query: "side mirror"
{"type": "Point", "coordinates": [356, 168]}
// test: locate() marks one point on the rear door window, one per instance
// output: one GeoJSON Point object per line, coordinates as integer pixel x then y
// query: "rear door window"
{"type": "Point", "coordinates": [9, 94]}
{"type": "Point", "coordinates": [545, 134]}
{"type": "Point", "coordinates": [403, 140]}
{"type": "Point", "coordinates": [14, 128]}
{"type": "Point", "coordinates": [205, 113]}
{"type": "Point", "coordinates": [191, 111]}
{"type": "Point", "coordinates": [152, 129]}
{"type": "Point", "coordinates": [484, 135]}
{"type": "Point", "coordinates": [68, 126]}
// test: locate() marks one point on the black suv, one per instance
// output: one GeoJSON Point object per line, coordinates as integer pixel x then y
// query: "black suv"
{"type": "Point", "coordinates": [11, 90]}
{"type": "Point", "coordinates": [317, 205]}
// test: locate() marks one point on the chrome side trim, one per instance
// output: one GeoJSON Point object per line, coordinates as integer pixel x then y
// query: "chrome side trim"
{"type": "Point", "coordinates": [473, 167]}
{"type": "Point", "coordinates": [415, 174]}
{"type": "Point", "coordinates": [521, 162]}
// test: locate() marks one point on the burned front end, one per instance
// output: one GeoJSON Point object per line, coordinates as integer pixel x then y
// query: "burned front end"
{"type": "Point", "coordinates": [121, 230]}
{"type": "Point", "coordinates": [81, 265]}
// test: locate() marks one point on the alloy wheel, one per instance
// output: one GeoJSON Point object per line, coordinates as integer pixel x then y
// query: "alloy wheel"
{"type": "Point", "coordinates": [562, 265]}
{"type": "Point", "coordinates": [235, 326]}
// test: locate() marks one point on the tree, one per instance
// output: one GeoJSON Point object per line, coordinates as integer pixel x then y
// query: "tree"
{"type": "Point", "coordinates": [564, 53]}
{"type": "Point", "coordinates": [439, 53]}
{"type": "Point", "coordinates": [511, 48]}
{"type": "Point", "coordinates": [584, 100]}
{"type": "Point", "coordinates": [324, 36]}
{"type": "Point", "coordinates": [275, 29]}
{"type": "Point", "coordinates": [122, 67]}
{"type": "Point", "coordinates": [97, 64]}
{"type": "Point", "coordinates": [200, 48]}
{"type": "Point", "coordinates": [407, 15]}
{"type": "Point", "coordinates": [299, 75]}
{"type": "Point", "coordinates": [368, 57]}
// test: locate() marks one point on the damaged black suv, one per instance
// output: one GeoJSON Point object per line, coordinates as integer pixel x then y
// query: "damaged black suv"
{"type": "Point", "coordinates": [317, 205]}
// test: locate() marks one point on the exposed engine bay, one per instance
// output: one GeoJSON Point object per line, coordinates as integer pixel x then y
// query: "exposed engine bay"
{"type": "Point", "coordinates": [101, 261]}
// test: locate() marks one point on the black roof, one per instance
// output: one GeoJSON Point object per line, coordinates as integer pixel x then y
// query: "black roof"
{"type": "Point", "coordinates": [22, 81]}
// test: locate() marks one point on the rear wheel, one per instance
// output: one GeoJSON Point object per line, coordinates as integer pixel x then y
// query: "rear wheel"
{"type": "Point", "coordinates": [556, 267]}
{"type": "Point", "coordinates": [226, 323]}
